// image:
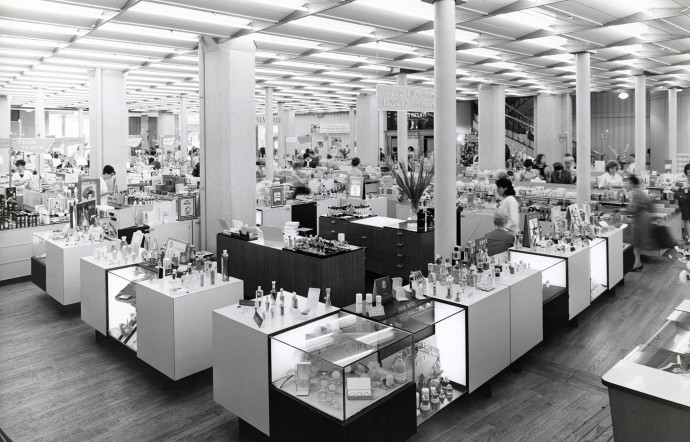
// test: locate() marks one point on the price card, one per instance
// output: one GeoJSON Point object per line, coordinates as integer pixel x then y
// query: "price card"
{"type": "Point", "coordinates": [312, 300]}
{"type": "Point", "coordinates": [258, 318]}
{"type": "Point", "coordinates": [377, 311]}
{"type": "Point", "coordinates": [603, 223]}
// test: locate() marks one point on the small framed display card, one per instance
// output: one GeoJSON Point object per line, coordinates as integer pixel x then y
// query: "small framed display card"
{"type": "Point", "coordinates": [186, 207]}
{"type": "Point", "coordinates": [176, 247]}
{"type": "Point", "coordinates": [277, 196]}
{"type": "Point", "coordinates": [86, 214]}
{"type": "Point", "coordinates": [355, 187]}
{"type": "Point", "coordinates": [89, 189]}
{"type": "Point", "coordinates": [531, 229]}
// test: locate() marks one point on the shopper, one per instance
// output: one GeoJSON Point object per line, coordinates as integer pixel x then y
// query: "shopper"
{"type": "Point", "coordinates": [631, 166]}
{"type": "Point", "coordinates": [528, 173]}
{"type": "Point", "coordinates": [611, 178]}
{"type": "Point", "coordinates": [560, 175]}
{"type": "Point", "coordinates": [21, 178]}
{"type": "Point", "coordinates": [509, 203]}
{"type": "Point", "coordinates": [300, 181]}
{"type": "Point", "coordinates": [355, 171]}
{"type": "Point", "coordinates": [108, 183]}
{"type": "Point", "coordinates": [500, 239]}
{"type": "Point", "coordinates": [542, 167]}
{"type": "Point", "coordinates": [683, 198]}
{"type": "Point", "coordinates": [639, 208]}
{"type": "Point", "coordinates": [569, 165]}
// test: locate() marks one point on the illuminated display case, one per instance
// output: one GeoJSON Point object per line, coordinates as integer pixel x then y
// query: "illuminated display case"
{"type": "Point", "coordinates": [599, 269]}
{"type": "Point", "coordinates": [342, 375]}
{"type": "Point", "coordinates": [649, 390]}
{"type": "Point", "coordinates": [122, 303]}
{"type": "Point", "coordinates": [436, 328]}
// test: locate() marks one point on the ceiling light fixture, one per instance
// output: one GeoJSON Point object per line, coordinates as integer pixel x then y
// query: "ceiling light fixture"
{"type": "Point", "coordinates": [623, 95]}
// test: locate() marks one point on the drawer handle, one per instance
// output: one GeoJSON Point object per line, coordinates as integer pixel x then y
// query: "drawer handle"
{"type": "Point", "coordinates": [400, 266]}
{"type": "Point", "coordinates": [399, 233]}
{"type": "Point", "coordinates": [399, 244]}
{"type": "Point", "coordinates": [333, 231]}
{"type": "Point", "coordinates": [364, 237]}
{"type": "Point", "coordinates": [399, 255]}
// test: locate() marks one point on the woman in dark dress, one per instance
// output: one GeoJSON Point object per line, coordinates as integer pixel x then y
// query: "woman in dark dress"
{"type": "Point", "coordinates": [541, 167]}
{"type": "Point", "coordinates": [683, 198]}
{"type": "Point", "coordinates": [640, 208]}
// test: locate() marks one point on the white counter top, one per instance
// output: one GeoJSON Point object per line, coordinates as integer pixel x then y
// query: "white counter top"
{"type": "Point", "coordinates": [650, 381]}
{"type": "Point", "coordinates": [173, 288]}
{"type": "Point", "coordinates": [551, 251]}
{"type": "Point", "coordinates": [107, 264]}
{"type": "Point", "coordinates": [508, 279]}
{"type": "Point", "coordinates": [245, 315]}
{"type": "Point", "coordinates": [380, 221]}
{"type": "Point", "coordinates": [471, 295]}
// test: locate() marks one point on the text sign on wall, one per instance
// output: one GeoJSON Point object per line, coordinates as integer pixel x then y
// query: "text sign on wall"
{"type": "Point", "coordinates": [404, 98]}
{"type": "Point", "coordinates": [32, 145]}
{"type": "Point", "coordinates": [261, 119]}
{"type": "Point", "coordinates": [334, 128]}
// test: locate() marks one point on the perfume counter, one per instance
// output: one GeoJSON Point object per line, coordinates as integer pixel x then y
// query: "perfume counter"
{"type": "Point", "coordinates": [16, 250]}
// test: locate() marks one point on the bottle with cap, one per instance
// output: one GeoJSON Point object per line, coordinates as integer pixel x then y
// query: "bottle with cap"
{"type": "Point", "coordinates": [224, 265]}
{"type": "Point", "coordinates": [327, 301]}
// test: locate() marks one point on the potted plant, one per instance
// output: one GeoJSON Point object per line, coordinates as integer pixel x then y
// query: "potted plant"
{"type": "Point", "coordinates": [412, 184]}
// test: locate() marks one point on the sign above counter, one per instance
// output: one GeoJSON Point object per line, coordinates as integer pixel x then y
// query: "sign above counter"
{"type": "Point", "coordinates": [404, 98]}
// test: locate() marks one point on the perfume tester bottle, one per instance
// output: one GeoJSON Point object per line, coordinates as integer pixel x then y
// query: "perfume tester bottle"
{"type": "Point", "coordinates": [399, 370]}
{"type": "Point", "coordinates": [273, 292]}
{"type": "Point", "coordinates": [327, 301]}
{"type": "Point", "coordinates": [259, 297]}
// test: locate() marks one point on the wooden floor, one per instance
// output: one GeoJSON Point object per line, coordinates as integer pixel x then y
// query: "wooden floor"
{"type": "Point", "coordinates": [57, 383]}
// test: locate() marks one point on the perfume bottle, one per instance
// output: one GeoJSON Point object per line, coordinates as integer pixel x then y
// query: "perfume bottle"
{"type": "Point", "coordinates": [435, 401]}
{"type": "Point", "coordinates": [224, 266]}
{"type": "Point", "coordinates": [282, 302]}
{"type": "Point", "coordinates": [327, 301]}
{"type": "Point", "coordinates": [424, 405]}
{"type": "Point", "coordinates": [259, 297]}
{"type": "Point", "coordinates": [449, 391]}
{"type": "Point", "coordinates": [273, 292]}
{"type": "Point", "coordinates": [399, 370]}
{"type": "Point", "coordinates": [294, 301]}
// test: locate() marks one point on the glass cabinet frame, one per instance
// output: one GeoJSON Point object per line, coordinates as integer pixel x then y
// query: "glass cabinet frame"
{"type": "Point", "coordinates": [121, 311]}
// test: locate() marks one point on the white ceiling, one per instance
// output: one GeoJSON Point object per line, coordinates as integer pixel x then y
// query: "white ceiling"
{"type": "Point", "coordinates": [318, 55]}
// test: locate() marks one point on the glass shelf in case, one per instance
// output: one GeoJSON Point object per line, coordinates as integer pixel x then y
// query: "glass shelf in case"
{"type": "Point", "coordinates": [122, 297]}
{"type": "Point", "coordinates": [553, 271]}
{"type": "Point", "coordinates": [341, 364]}
{"type": "Point", "coordinates": [669, 349]}
{"type": "Point", "coordinates": [440, 363]}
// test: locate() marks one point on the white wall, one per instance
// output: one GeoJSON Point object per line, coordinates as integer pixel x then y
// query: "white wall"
{"type": "Point", "coordinates": [303, 123]}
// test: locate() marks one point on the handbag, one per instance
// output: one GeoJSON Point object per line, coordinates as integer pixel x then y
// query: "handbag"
{"type": "Point", "coordinates": [662, 238]}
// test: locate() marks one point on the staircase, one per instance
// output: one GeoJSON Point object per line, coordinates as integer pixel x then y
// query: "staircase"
{"type": "Point", "coordinates": [519, 127]}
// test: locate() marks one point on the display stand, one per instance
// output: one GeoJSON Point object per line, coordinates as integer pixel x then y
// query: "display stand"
{"type": "Point", "coordinates": [63, 268]}
{"type": "Point", "coordinates": [649, 390]}
{"type": "Point", "coordinates": [577, 265]}
{"type": "Point", "coordinates": [174, 323]}
{"type": "Point", "coordinates": [241, 355]}
{"type": "Point", "coordinates": [614, 250]}
{"type": "Point", "coordinates": [436, 327]}
{"type": "Point", "coordinates": [258, 263]}
{"type": "Point", "coordinates": [16, 250]}
{"type": "Point", "coordinates": [94, 290]}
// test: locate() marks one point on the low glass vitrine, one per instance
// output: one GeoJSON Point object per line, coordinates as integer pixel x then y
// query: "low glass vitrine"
{"type": "Point", "coordinates": [554, 272]}
{"type": "Point", "coordinates": [342, 364]}
{"type": "Point", "coordinates": [122, 303]}
{"type": "Point", "coordinates": [669, 348]}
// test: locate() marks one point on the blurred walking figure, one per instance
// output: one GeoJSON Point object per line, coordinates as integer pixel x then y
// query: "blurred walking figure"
{"type": "Point", "coordinates": [640, 207]}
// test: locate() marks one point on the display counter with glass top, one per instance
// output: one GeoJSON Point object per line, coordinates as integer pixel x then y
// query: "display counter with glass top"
{"type": "Point", "coordinates": [241, 355]}
{"type": "Point", "coordinates": [121, 303]}
{"type": "Point", "coordinates": [614, 252]}
{"type": "Point", "coordinates": [649, 390]}
{"type": "Point", "coordinates": [342, 377]}
{"type": "Point", "coordinates": [440, 366]}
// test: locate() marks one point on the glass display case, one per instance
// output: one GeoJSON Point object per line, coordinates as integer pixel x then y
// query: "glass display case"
{"type": "Point", "coordinates": [38, 246]}
{"type": "Point", "coordinates": [553, 271]}
{"type": "Point", "coordinates": [342, 364]}
{"type": "Point", "coordinates": [669, 348]}
{"type": "Point", "coordinates": [599, 270]}
{"type": "Point", "coordinates": [440, 366]}
{"type": "Point", "coordinates": [122, 303]}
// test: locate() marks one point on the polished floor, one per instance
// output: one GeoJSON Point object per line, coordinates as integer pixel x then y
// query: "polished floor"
{"type": "Point", "coordinates": [57, 383]}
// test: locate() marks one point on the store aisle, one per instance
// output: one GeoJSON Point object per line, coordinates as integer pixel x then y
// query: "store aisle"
{"type": "Point", "coordinates": [56, 383]}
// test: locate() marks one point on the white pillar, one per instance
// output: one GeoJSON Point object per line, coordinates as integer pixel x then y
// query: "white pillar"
{"type": "Point", "coordinates": [108, 124]}
{"type": "Point", "coordinates": [63, 125]}
{"type": "Point", "coordinates": [290, 132]}
{"type": "Point", "coordinates": [367, 130]}
{"type": "Point", "coordinates": [584, 127]}
{"type": "Point", "coordinates": [184, 127]}
{"type": "Point", "coordinates": [444, 127]}
{"type": "Point", "coordinates": [145, 133]}
{"type": "Point", "coordinates": [166, 124]}
{"type": "Point", "coordinates": [39, 114]}
{"type": "Point", "coordinates": [228, 134]}
{"type": "Point", "coordinates": [80, 123]}
{"type": "Point", "coordinates": [281, 135]}
{"type": "Point", "coordinates": [381, 131]}
{"type": "Point", "coordinates": [270, 167]}
{"type": "Point", "coordinates": [567, 121]}
{"type": "Point", "coordinates": [640, 124]}
{"type": "Point", "coordinates": [5, 117]}
{"type": "Point", "coordinates": [402, 125]}
{"type": "Point", "coordinates": [672, 127]}
{"type": "Point", "coordinates": [492, 123]}
{"type": "Point", "coordinates": [352, 120]}
{"type": "Point", "coordinates": [551, 115]}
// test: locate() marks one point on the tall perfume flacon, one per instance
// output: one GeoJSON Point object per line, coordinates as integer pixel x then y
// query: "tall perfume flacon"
{"type": "Point", "coordinates": [399, 370]}
{"type": "Point", "coordinates": [327, 301]}
{"type": "Point", "coordinates": [273, 292]}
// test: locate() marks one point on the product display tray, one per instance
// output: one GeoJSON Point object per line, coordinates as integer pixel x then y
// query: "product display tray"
{"type": "Point", "coordinates": [552, 292]}
{"type": "Point", "coordinates": [243, 237]}
{"type": "Point", "coordinates": [316, 254]}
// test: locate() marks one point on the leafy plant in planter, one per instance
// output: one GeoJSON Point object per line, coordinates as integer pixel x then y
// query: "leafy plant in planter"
{"type": "Point", "coordinates": [412, 184]}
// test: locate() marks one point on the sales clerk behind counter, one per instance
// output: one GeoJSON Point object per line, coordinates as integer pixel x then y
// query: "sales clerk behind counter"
{"type": "Point", "coordinates": [108, 183]}
{"type": "Point", "coordinates": [21, 178]}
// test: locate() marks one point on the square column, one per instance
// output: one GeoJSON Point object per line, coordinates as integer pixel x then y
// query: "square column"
{"type": "Point", "coordinates": [228, 140]}
{"type": "Point", "coordinates": [184, 125]}
{"type": "Point", "coordinates": [367, 130]}
{"type": "Point", "coordinates": [673, 128]}
{"type": "Point", "coordinates": [492, 124]}
{"type": "Point", "coordinates": [281, 134]}
{"type": "Point", "coordinates": [108, 124]}
{"type": "Point", "coordinates": [402, 125]}
{"type": "Point", "coordinates": [583, 111]}
{"type": "Point", "coordinates": [551, 113]}
{"type": "Point", "coordinates": [39, 114]}
{"type": "Point", "coordinates": [5, 116]}
{"type": "Point", "coordinates": [640, 124]}
{"type": "Point", "coordinates": [145, 138]}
